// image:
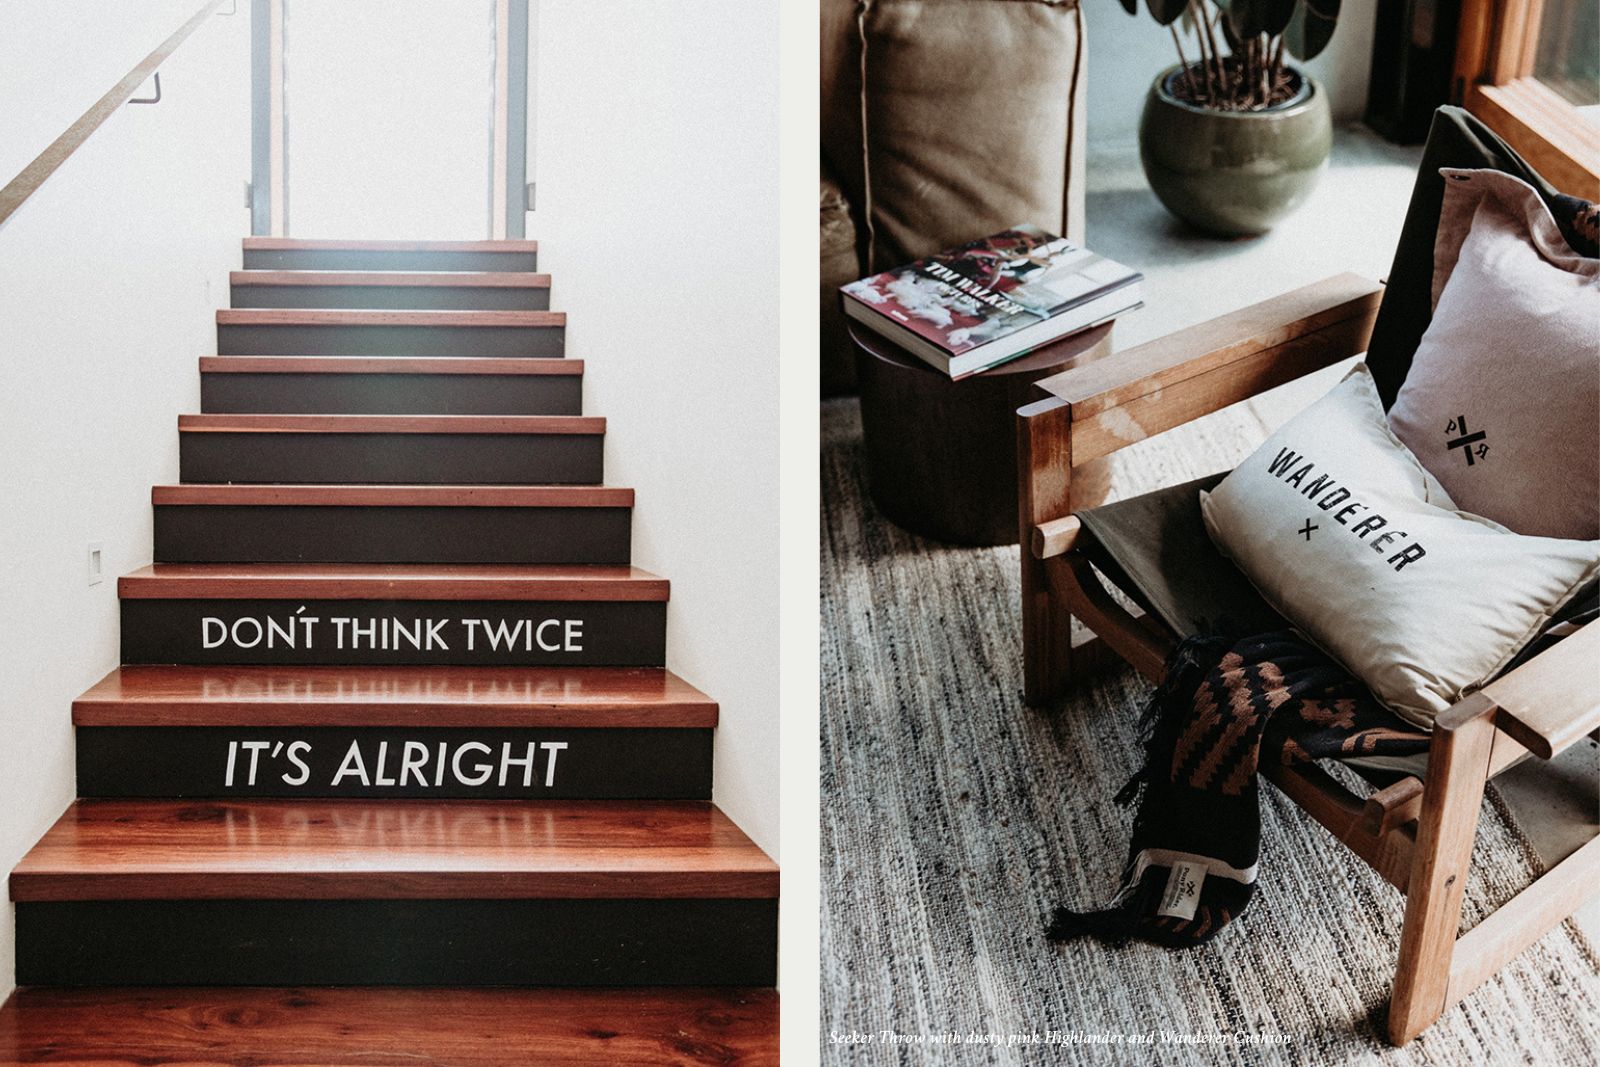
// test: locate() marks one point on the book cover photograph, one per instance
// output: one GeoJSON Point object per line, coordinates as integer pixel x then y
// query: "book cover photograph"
{"type": "Point", "coordinates": [990, 289]}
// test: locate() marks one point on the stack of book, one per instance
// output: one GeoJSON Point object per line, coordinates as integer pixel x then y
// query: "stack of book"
{"type": "Point", "coordinates": [978, 306]}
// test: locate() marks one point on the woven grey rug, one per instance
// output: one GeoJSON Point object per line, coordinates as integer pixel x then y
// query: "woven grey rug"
{"type": "Point", "coordinates": [953, 819]}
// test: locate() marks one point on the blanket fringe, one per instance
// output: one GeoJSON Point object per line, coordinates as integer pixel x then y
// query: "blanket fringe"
{"type": "Point", "coordinates": [1114, 926]}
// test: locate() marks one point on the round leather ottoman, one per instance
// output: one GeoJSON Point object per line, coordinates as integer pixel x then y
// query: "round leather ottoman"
{"type": "Point", "coordinates": [942, 455]}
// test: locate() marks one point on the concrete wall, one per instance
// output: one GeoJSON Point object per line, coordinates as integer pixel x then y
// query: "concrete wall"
{"type": "Point", "coordinates": [108, 279]}
{"type": "Point", "coordinates": [657, 217]}
{"type": "Point", "coordinates": [1126, 54]}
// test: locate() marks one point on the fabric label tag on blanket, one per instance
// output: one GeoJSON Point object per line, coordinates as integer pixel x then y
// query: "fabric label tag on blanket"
{"type": "Point", "coordinates": [1182, 894]}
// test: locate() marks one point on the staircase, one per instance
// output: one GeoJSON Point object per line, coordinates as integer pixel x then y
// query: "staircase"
{"type": "Point", "coordinates": [393, 717]}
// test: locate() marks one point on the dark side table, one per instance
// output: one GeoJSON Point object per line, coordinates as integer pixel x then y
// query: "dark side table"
{"type": "Point", "coordinates": [942, 455]}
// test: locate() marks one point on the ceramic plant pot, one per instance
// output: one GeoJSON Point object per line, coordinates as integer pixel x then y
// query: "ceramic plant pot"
{"type": "Point", "coordinates": [1234, 172]}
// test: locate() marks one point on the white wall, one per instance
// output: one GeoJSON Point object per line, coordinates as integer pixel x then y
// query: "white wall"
{"type": "Point", "coordinates": [108, 279]}
{"type": "Point", "coordinates": [657, 217]}
{"type": "Point", "coordinates": [1126, 54]}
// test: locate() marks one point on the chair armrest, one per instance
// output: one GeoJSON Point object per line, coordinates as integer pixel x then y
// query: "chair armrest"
{"type": "Point", "coordinates": [1056, 537]}
{"type": "Point", "coordinates": [1554, 699]}
{"type": "Point", "coordinates": [1141, 392]}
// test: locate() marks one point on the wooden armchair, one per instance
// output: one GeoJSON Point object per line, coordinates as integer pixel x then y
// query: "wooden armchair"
{"type": "Point", "coordinates": [1417, 834]}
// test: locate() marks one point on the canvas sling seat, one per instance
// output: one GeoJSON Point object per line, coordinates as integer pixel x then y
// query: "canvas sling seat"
{"type": "Point", "coordinates": [1155, 548]}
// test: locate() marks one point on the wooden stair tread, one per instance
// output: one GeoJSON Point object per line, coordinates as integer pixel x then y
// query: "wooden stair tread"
{"type": "Point", "coordinates": [386, 365]}
{"type": "Point", "coordinates": [293, 244]}
{"type": "Point", "coordinates": [372, 317]}
{"type": "Point", "coordinates": [446, 424]}
{"type": "Point", "coordinates": [434, 496]}
{"type": "Point", "coordinates": [616, 697]}
{"type": "Point", "coordinates": [389, 1027]}
{"type": "Point", "coordinates": [455, 279]}
{"type": "Point", "coordinates": [390, 581]}
{"type": "Point", "coordinates": [392, 850]}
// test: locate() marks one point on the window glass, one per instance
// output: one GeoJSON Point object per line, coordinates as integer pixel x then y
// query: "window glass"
{"type": "Point", "coordinates": [1568, 55]}
{"type": "Point", "coordinates": [388, 113]}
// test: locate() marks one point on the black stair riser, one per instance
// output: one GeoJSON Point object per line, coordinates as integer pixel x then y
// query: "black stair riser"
{"type": "Point", "coordinates": [351, 259]}
{"type": "Point", "coordinates": [391, 459]}
{"type": "Point", "coordinates": [394, 762]}
{"type": "Point", "coordinates": [543, 342]}
{"type": "Point", "coordinates": [394, 297]}
{"type": "Point", "coordinates": [391, 394]}
{"type": "Point", "coordinates": [627, 633]}
{"type": "Point", "coordinates": [285, 534]}
{"type": "Point", "coordinates": [397, 942]}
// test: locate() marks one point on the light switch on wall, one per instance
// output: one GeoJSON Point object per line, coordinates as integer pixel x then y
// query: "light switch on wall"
{"type": "Point", "coordinates": [96, 563]}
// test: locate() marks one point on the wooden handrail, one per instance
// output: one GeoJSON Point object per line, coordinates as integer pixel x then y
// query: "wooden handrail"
{"type": "Point", "coordinates": [32, 176]}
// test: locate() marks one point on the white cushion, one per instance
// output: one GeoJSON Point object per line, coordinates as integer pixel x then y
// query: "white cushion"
{"type": "Point", "coordinates": [1502, 401]}
{"type": "Point", "coordinates": [1342, 530]}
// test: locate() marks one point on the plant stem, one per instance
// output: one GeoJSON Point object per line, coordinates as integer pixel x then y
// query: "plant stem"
{"type": "Point", "coordinates": [1242, 56]}
{"type": "Point", "coordinates": [1264, 45]}
{"type": "Point", "coordinates": [1252, 62]}
{"type": "Point", "coordinates": [1200, 45]}
{"type": "Point", "coordinates": [1183, 61]}
{"type": "Point", "coordinates": [1207, 65]}
{"type": "Point", "coordinates": [1216, 56]}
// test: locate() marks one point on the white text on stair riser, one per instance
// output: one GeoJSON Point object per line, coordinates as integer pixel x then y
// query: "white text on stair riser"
{"type": "Point", "coordinates": [390, 634]}
{"type": "Point", "coordinates": [471, 763]}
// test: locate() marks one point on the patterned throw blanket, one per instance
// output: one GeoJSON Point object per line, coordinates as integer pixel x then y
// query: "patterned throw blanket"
{"type": "Point", "coordinates": [1226, 707]}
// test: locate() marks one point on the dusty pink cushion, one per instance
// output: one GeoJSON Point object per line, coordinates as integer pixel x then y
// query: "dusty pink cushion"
{"type": "Point", "coordinates": [1502, 403]}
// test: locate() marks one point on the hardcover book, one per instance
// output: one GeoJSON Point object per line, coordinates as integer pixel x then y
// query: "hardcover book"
{"type": "Point", "coordinates": [978, 306]}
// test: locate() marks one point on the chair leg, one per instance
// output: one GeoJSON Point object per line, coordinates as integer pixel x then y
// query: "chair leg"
{"type": "Point", "coordinates": [1044, 492]}
{"type": "Point", "coordinates": [1458, 769]}
{"type": "Point", "coordinates": [1046, 636]}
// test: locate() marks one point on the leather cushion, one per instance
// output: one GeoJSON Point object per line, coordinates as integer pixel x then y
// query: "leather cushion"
{"type": "Point", "coordinates": [967, 117]}
{"type": "Point", "coordinates": [841, 264]}
{"type": "Point", "coordinates": [841, 85]}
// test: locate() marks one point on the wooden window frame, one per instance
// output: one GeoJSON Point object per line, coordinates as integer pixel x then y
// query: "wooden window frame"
{"type": "Point", "coordinates": [1494, 80]}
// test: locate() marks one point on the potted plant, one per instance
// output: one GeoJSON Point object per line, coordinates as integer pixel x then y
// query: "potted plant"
{"type": "Point", "coordinates": [1233, 138]}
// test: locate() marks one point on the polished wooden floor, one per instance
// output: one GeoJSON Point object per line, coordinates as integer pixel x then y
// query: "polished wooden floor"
{"type": "Point", "coordinates": [255, 1027]}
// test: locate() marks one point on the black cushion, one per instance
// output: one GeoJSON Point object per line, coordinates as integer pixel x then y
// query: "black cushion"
{"type": "Point", "coordinates": [1456, 139]}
